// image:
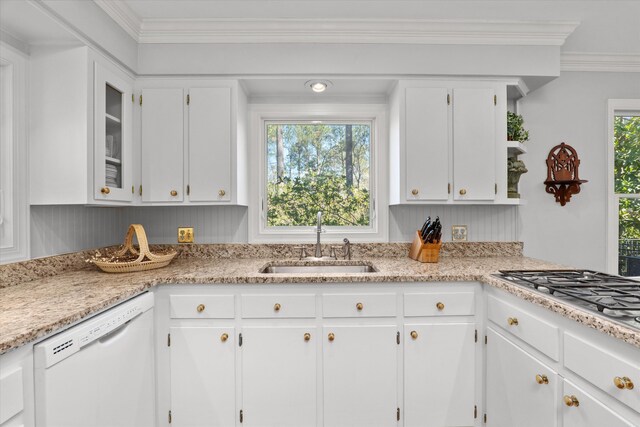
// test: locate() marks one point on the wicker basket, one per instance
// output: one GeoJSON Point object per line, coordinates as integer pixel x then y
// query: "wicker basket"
{"type": "Point", "coordinates": [146, 260]}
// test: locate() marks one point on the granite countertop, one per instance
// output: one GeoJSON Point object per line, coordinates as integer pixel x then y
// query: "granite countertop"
{"type": "Point", "coordinates": [35, 308]}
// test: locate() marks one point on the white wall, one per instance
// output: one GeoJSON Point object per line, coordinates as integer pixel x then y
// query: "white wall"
{"type": "Point", "coordinates": [572, 109]}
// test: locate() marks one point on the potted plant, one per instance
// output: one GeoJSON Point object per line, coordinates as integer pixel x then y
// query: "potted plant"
{"type": "Point", "coordinates": [515, 131]}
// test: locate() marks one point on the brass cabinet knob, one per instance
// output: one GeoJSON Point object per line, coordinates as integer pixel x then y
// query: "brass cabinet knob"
{"type": "Point", "coordinates": [307, 336]}
{"type": "Point", "coordinates": [174, 193]}
{"type": "Point", "coordinates": [440, 306]}
{"type": "Point", "coordinates": [571, 401]}
{"type": "Point", "coordinates": [623, 383]}
{"type": "Point", "coordinates": [277, 307]}
{"type": "Point", "coordinates": [542, 379]}
{"type": "Point", "coordinates": [415, 191]}
{"type": "Point", "coordinates": [331, 336]}
{"type": "Point", "coordinates": [105, 190]}
{"type": "Point", "coordinates": [463, 191]}
{"type": "Point", "coordinates": [224, 337]}
{"type": "Point", "coordinates": [512, 321]}
{"type": "Point", "coordinates": [359, 306]}
{"type": "Point", "coordinates": [221, 193]}
{"type": "Point", "coordinates": [414, 335]}
{"type": "Point", "coordinates": [200, 308]}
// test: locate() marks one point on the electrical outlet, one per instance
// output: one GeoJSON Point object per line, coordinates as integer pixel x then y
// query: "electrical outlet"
{"type": "Point", "coordinates": [185, 234]}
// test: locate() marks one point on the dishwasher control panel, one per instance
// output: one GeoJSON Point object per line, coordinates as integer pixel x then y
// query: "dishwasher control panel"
{"type": "Point", "coordinates": [66, 343]}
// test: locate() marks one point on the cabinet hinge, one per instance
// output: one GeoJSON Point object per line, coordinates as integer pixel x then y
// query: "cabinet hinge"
{"type": "Point", "coordinates": [140, 99]}
{"type": "Point", "coordinates": [241, 416]}
{"type": "Point", "coordinates": [188, 189]}
{"type": "Point", "coordinates": [240, 340]}
{"type": "Point", "coordinates": [495, 100]}
{"type": "Point", "coordinates": [485, 339]}
{"type": "Point", "coordinates": [188, 99]}
{"type": "Point", "coordinates": [398, 414]}
{"type": "Point", "coordinates": [140, 190]}
{"type": "Point", "coordinates": [484, 419]}
{"type": "Point", "coordinates": [476, 336]}
{"type": "Point", "coordinates": [449, 188]}
{"type": "Point", "coordinates": [398, 338]}
{"type": "Point", "coordinates": [475, 411]}
{"type": "Point", "coordinates": [133, 189]}
{"type": "Point", "coordinates": [496, 188]}
{"type": "Point", "coordinates": [448, 99]}
{"type": "Point", "coordinates": [168, 340]}
{"type": "Point", "coordinates": [133, 98]}
{"type": "Point", "coordinates": [169, 417]}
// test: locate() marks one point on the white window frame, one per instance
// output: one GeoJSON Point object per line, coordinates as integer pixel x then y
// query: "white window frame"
{"type": "Point", "coordinates": [615, 107]}
{"type": "Point", "coordinates": [18, 219]}
{"type": "Point", "coordinates": [261, 114]}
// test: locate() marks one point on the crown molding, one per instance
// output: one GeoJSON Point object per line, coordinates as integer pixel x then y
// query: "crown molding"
{"type": "Point", "coordinates": [600, 62]}
{"type": "Point", "coordinates": [123, 15]}
{"type": "Point", "coordinates": [359, 31]}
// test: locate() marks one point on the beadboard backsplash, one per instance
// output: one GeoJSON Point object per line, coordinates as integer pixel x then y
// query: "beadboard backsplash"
{"type": "Point", "coordinates": [62, 229]}
{"type": "Point", "coordinates": [484, 223]}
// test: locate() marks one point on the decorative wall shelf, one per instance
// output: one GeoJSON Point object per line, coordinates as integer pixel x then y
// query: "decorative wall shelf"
{"type": "Point", "coordinates": [563, 180]}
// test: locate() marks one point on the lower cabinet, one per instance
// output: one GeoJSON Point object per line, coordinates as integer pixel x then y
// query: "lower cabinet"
{"type": "Point", "coordinates": [520, 390]}
{"type": "Point", "coordinates": [582, 410]}
{"type": "Point", "coordinates": [203, 376]}
{"type": "Point", "coordinates": [439, 374]}
{"type": "Point", "coordinates": [360, 376]}
{"type": "Point", "coordinates": [279, 376]}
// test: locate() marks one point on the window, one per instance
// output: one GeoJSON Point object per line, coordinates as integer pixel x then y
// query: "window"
{"type": "Point", "coordinates": [317, 158]}
{"type": "Point", "coordinates": [315, 167]}
{"type": "Point", "coordinates": [624, 200]}
{"type": "Point", "coordinates": [14, 213]}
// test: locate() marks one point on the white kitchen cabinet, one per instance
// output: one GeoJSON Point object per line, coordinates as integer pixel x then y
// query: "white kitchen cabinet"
{"type": "Point", "coordinates": [439, 374]}
{"type": "Point", "coordinates": [279, 376]}
{"type": "Point", "coordinates": [474, 144]}
{"type": "Point", "coordinates": [446, 140]}
{"type": "Point", "coordinates": [80, 128]}
{"type": "Point", "coordinates": [17, 388]}
{"type": "Point", "coordinates": [427, 143]}
{"type": "Point", "coordinates": [520, 390]}
{"type": "Point", "coordinates": [360, 375]}
{"type": "Point", "coordinates": [193, 142]}
{"type": "Point", "coordinates": [203, 391]}
{"type": "Point", "coordinates": [162, 144]}
{"type": "Point", "coordinates": [586, 411]}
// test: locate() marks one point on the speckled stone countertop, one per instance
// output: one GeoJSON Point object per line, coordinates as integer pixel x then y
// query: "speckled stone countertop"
{"type": "Point", "coordinates": [33, 309]}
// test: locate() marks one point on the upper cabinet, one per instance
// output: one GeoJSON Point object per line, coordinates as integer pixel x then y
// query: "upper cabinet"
{"type": "Point", "coordinates": [80, 128]}
{"type": "Point", "coordinates": [446, 142]}
{"type": "Point", "coordinates": [192, 142]}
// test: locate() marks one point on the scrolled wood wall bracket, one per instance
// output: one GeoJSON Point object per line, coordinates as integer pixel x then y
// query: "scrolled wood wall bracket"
{"type": "Point", "coordinates": [563, 180]}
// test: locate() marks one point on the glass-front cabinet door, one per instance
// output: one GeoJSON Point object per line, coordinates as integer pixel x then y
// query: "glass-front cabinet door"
{"type": "Point", "coordinates": [113, 137]}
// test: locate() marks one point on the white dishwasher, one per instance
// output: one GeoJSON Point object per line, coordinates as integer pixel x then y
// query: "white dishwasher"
{"type": "Point", "coordinates": [99, 373]}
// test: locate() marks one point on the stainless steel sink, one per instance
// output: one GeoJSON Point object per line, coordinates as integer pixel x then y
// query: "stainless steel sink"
{"type": "Point", "coordinates": [318, 268]}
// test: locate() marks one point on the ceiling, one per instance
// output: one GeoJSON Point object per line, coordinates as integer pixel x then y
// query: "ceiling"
{"type": "Point", "coordinates": [30, 25]}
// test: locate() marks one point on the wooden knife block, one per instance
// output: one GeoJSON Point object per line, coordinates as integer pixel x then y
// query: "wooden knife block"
{"type": "Point", "coordinates": [424, 252]}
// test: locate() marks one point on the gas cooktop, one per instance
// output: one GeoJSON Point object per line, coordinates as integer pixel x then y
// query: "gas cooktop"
{"type": "Point", "coordinates": [616, 298]}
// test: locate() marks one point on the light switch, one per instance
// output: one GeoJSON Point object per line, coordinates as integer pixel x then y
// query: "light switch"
{"type": "Point", "coordinates": [185, 234]}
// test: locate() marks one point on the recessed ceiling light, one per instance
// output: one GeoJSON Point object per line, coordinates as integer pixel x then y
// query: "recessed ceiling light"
{"type": "Point", "coordinates": [318, 86]}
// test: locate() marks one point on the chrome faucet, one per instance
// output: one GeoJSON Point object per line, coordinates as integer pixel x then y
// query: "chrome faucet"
{"type": "Point", "coordinates": [318, 253]}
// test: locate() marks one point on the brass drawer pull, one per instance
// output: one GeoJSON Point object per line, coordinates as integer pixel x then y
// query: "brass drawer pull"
{"type": "Point", "coordinates": [221, 193]}
{"type": "Point", "coordinates": [277, 307]}
{"type": "Point", "coordinates": [224, 337]}
{"type": "Point", "coordinates": [571, 401]}
{"type": "Point", "coordinates": [307, 336]}
{"type": "Point", "coordinates": [623, 383]}
{"type": "Point", "coordinates": [105, 190]}
{"type": "Point", "coordinates": [174, 193]}
{"type": "Point", "coordinates": [200, 308]}
{"type": "Point", "coordinates": [463, 192]}
{"type": "Point", "coordinates": [359, 306]}
{"type": "Point", "coordinates": [542, 379]}
{"type": "Point", "coordinates": [331, 336]}
{"type": "Point", "coordinates": [512, 321]}
{"type": "Point", "coordinates": [440, 306]}
{"type": "Point", "coordinates": [414, 335]}
{"type": "Point", "coordinates": [415, 191]}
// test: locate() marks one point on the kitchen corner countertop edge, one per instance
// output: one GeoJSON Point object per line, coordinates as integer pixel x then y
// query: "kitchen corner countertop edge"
{"type": "Point", "coordinates": [34, 309]}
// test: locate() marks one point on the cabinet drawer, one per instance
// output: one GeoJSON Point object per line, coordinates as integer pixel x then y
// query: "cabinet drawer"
{"type": "Point", "coordinates": [278, 306]}
{"type": "Point", "coordinates": [602, 368]}
{"type": "Point", "coordinates": [534, 331]}
{"type": "Point", "coordinates": [202, 306]}
{"type": "Point", "coordinates": [589, 413]}
{"type": "Point", "coordinates": [11, 394]}
{"type": "Point", "coordinates": [359, 305]}
{"type": "Point", "coordinates": [439, 304]}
